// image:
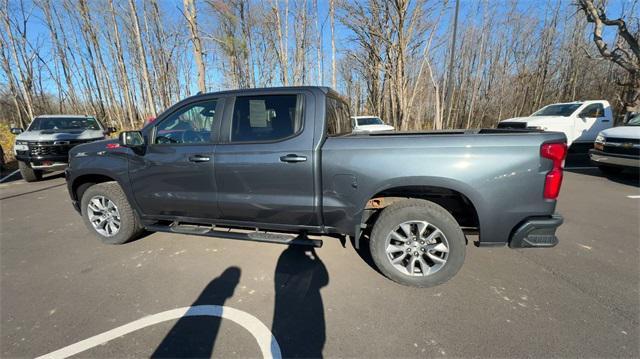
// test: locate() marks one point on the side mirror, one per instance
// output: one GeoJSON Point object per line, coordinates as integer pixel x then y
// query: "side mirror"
{"type": "Point", "coordinates": [110, 130]}
{"type": "Point", "coordinates": [131, 139]}
{"type": "Point", "coordinates": [17, 130]}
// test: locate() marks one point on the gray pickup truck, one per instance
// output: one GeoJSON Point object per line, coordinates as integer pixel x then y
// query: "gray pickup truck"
{"type": "Point", "coordinates": [45, 145]}
{"type": "Point", "coordinates": [280, 164]}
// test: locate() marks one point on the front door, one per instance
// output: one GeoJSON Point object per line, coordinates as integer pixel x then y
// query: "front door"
{"type": "Point", "coordinates": [175, 174]}
{"type": "Point", "coordinates": [264, 172]}
{"type": "Point", "coordinates": [590, 122]}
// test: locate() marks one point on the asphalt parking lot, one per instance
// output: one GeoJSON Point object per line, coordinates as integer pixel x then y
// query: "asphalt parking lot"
{"type": "Point", "coordinates": [60, 286]}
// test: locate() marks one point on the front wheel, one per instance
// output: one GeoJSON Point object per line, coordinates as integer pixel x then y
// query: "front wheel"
{"type": "Point", "coordinates": [417, 243]}
{"type": "Point", "coordinates": [108, 214]}
{"type": "Point", "coordinates": [28, 173]}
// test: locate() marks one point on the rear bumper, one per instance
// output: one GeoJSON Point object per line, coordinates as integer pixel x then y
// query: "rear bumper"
{"type": "Point", "coordinates": [604, 158]}
{"type": "Point", "coordinates": [535, 232]}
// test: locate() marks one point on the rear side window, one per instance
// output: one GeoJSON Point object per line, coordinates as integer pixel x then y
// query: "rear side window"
{"type": "Point", "coordinates": [338, 120]}
{"type": "Point", "coordinates": [593, 110]}
{"type": "Point", "coordinates": [266, 118]}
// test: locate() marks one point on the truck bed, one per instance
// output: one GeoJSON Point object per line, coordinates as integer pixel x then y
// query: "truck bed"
{"type": "Point", "coordinates": [487, 167]}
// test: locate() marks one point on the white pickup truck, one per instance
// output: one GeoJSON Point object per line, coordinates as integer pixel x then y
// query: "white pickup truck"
{"type": "Point", "coordinates": [580, 121]}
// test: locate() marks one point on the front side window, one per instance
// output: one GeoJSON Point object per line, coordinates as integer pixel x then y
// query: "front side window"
{"type": "Point", "coordinates": [64, 124]}
{"type": "Point", "coordinates": [595, 110]}
{"type": "Point", "coordinates": [191, 124]}
{"type": "Point", "coordinates": [266, 118]}
{"type": "Point", "coordinates": [564, 110]}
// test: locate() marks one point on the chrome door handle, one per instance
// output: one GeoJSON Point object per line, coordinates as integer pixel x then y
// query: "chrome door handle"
{"type": "Point", "coordinates": [199, 158]}
{"type": "Point", "coordinates": [293, 158]}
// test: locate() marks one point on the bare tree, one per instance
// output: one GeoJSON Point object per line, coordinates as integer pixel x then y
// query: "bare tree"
{"type": "Point", "coordinates": [625, 53]}
{"type": "Point", "coordinates": [190, 14]}
{"type": "Point", "coordinates": [146, 82]}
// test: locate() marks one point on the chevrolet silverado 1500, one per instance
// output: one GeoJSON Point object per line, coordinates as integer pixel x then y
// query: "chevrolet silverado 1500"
{"type": "Point", "coordinates": [279, 164]}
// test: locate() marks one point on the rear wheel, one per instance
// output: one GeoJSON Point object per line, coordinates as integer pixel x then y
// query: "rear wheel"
{"type": "Point", "coordinates": [28, 173]}
{"type": "Point", "coordinates": [417, 243]}
{"type": "Point", "coordinates": [108, 214]}
{"type": "Point", "coordinates": [610, 170]}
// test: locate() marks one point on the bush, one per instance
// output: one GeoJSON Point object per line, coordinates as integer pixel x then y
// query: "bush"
{"type": "Point", "coordinates": [7, 139]}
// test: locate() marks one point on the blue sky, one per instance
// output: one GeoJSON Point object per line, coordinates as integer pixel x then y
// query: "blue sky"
{"type": "Point", "coordinates": [469, 11]}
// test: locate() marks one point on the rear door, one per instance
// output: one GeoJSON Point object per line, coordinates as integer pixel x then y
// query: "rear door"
{"type": "Point", "coordinates": [175, 174]}
{"type": "Point", "coordinates": [265, 159]}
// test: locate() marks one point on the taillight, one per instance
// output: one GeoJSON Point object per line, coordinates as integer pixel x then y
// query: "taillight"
{"type": "Point", "coordinates": [111, 146]}
{"type": "Point", "coordinates": [557, 153]}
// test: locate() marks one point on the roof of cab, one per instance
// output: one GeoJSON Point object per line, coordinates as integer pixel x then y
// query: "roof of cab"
{"type": "Point", "coordinates": [63, 116]}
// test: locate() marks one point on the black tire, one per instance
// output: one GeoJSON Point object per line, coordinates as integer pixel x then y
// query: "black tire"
{"type": "Point", "coordinates": [130, 227]}
{"type": "Point", "coordinates": [610, 170]}
{"type": "Point", "coordinates": [28, 173]}
{"type": "Point", "coordinates": [411, 210]}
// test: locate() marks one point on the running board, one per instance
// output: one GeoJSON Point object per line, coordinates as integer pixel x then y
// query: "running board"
{"type": "Point", "coordinates": [210, 231]}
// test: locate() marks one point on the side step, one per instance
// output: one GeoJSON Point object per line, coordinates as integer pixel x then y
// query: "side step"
{"type": "Point", "coordinates": [245, 235]}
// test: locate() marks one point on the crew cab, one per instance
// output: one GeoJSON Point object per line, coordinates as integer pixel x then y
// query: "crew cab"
{"type": "Point", "coordinates": [580, 121]}
{"type": "Point", "coordinates": [282, 165]}
{"type": "Point", "coordinates": [618, 148]}
{"type": "Point", "coordinates": [45, 145]}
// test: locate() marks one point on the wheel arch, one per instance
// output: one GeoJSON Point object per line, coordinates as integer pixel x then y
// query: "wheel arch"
{"type": "Point", "coordinates": [82, 182]}
{"type": "Point", "coordinates": [462, 201]}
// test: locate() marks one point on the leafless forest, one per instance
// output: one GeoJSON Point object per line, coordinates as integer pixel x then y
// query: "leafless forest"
{"type": "Point", "coordinates": [419, 64]}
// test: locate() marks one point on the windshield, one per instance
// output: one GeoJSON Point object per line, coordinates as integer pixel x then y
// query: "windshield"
{"type": "Point", "coordinates": [634, 120]}
{"type": "Point", "coordinates": [565, 110]}
{"type": "Point", "coordinates": [369, 121]}
{"type": "Point", "coordinates": [64, 123]}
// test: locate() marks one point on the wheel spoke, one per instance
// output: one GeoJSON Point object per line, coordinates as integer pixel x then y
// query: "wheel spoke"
{"type": "Point", "coordinates": [392, 248]}
{"type": "Point", "coordinates": [395, 235]}
{"type": "Point", "coordinates": [412, 265]}
{"type": "Point", "coordinates": [398, 259]}
{"type": "Point", "coordinates": [440, 247]}
{"type": "Point", "coordinates": [435, 258]}
{"type": "Point", "coordinates": [97, 205]}
{"type": "Point", "coordinates": [424, 267]}
{"type": "Point", "coordinates": [422, 226]}
{"type": "Point", "coordinates": [406, 228]}
{"type": "Point", "coordinates": [433, 235]}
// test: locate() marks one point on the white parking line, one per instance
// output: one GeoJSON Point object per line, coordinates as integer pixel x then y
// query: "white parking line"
{"type": "Point", "coordinates": [9, 175]}
{"type": "Point", "coordinates": [266, 341]}
{"type": "Point", "coordinates": [634, 197]}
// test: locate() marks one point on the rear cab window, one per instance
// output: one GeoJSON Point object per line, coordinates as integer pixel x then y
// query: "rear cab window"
{"type": "Point", "coordinates": [338, 120]}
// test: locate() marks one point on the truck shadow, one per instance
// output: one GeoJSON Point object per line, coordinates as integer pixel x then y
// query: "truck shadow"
{"type": "Point", "coordinates": [195, 336]}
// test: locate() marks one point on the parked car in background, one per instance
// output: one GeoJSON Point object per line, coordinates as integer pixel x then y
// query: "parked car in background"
{"type": "Point", "coordinates": [369, 124]}
{"type": "Point", "coordinates": [580, 121]}
{"type": "Point", "coordinates": [45, 145]}
{"type": "Point", "coordinates": [285, 162]}
{"type": "Point", "coordinates": [618, 148]}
